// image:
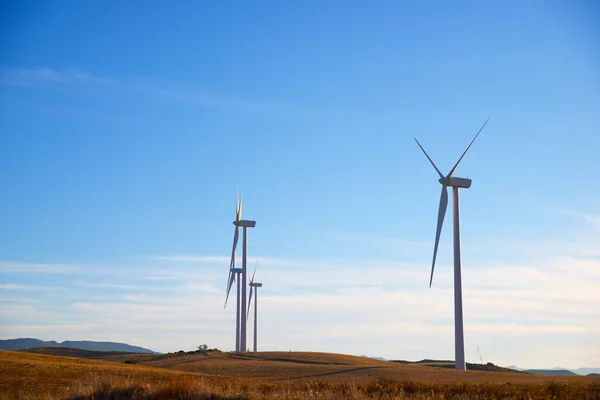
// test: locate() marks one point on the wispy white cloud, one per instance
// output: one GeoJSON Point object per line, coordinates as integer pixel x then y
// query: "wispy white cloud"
{"type": "Point", "coordinates": [28, 77]}
{"type": "Point", "coordinates": [22, 287]}
{"type": "Point", "coordinates": [28, 268]}
{"type": "Point", "coordinates": [43, 75]}
{"type": "Point", "coordinates": [125, 286]}
{"type": "Point", "coordinates": [109, 285]}
{"type": "Point", "coordinates": [224, 260]}
{"type": "Point", "coordinates": [183, 92]}
{"type": "Point", "coordinates": [194, 259]}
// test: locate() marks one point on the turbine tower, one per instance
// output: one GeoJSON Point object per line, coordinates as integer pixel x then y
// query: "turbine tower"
{"type": "Point", "coordinates": [455, 183]}
{"type": "Point", "coordinates": [255, 286]}
{"type": "Point", "coordinates": [237, 272]}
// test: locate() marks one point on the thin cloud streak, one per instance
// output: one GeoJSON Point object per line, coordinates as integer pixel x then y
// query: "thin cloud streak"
{"type": "Point", "coordinates": [24, 287]}
{"type": "Point", "coordinates": [32, 77]}
{"type": "Point", "coordinates": [44, 76]}
{"type": "Point", "coordinates": [27, 268]}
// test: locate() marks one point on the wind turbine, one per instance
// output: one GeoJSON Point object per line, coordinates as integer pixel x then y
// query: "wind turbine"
{"type": "Point", "coordinates": [241, 332]}
{"type": "Point", "coordinates": [254, 286]}
{"type": "Point", "coordinates": [235, 271]}
{"type": "Point", "coordinates": [455, 183]}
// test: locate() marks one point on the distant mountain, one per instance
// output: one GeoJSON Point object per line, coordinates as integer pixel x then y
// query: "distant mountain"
{"type": "Point", "coordinates": [515, 368]}
{"type": "Point", "coordinates": [554, 372]}
{"type": "Point", "coordinates": [375, 358]}
{"type": "Point", "coordinates": [558, 371]}
{"type": "Point", "coordinates": [28, 343]}
{"type": "Point", "coordinates": [587, 371]}
{"type": "Point", "coordinates": [80, 353]}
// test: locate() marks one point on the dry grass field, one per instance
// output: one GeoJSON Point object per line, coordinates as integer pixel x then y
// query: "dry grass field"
{"type": "Point", "coordinates": [267, 375]}
{"type": "Point", "coordinates": [328, 367]}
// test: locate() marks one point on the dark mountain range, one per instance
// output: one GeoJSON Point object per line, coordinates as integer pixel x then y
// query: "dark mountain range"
{"type": "Point", "coordinates": [80, 353]}
{"type": "Point", "coordinates": [28, 343]}
{"type": "Point", "coordinates": [554, 372]}
{"type": "Point", "coordinates": [559, 371]}
{"type": "Point", "coordinates": [587, 371]}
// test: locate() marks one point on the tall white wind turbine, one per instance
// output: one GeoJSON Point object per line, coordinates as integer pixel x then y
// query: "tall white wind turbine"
{"type": "Point", "coordinates": [233, 271]}
{"type": "Point", "coordinates": [241, 317]}
{"type": "Point", "coordinates": [255, 286]}
{"type": "Point", "coordinates": [455, 183]}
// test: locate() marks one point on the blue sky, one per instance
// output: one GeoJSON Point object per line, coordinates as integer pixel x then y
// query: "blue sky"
{"type": "Point", "coordinates": [125, 129]}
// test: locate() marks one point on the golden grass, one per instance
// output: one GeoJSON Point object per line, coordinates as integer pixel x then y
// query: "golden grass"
{"type": "Point", "coordinates": [328, 367]}
{"type": "Point", "coordinates": [32, 376]}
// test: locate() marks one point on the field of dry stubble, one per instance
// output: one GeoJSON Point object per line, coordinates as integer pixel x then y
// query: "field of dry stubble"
{"type": "Point", "coordinates": [269, 375]}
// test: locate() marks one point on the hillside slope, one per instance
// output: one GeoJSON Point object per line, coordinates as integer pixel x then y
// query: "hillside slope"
{"type": "Point", "coordinates": [35, 376]}
{"type": "Point", "coordinates": [24, 373]}
{"type": "Point", "coordinates": [288, 366]}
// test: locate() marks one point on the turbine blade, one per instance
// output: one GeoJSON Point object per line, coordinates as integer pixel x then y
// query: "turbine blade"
{"type": "Point", "coordinates": [255, 265]}
{"type": "Point", "coordinates": [441, 215]}
{"type": "Point", "coordinates": [249, 302]}
{"type": "Point", "coordinates": [236, 236]}
{"type": "Point", "coordinates": [468, 147]}
{"type": "Point", "coordinates": [429, 158]}
{"type": "Point", "coordinates": [232, 262]}
{"type": "Point", "coordinates": [238, 216]}
{"type": "Point", "coordinates": [227, 284]}
{"type": "Point", "coordinates": [237, 205]}
{"type": "Point", "coordinates": [231, 280]}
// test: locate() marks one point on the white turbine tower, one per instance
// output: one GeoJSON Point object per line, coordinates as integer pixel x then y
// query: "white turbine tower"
{"type": "Point", "coordinates": [237, 272]}
{"type": "Point", "coordinates": [241, 317]}
{"type": "Point", "coordinates": [455, 184]}
{"type": "Point", "coordinates": [254, 286]}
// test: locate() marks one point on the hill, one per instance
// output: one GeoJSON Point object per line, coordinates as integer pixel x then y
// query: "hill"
{"type": "Point", "coordinates": [327, 367]}
{"type": "Point", "coordinates": [28, 376]}
{"type": "Point", "coordinates": [489, 367]}
{"type": "Point", "coordinates": [35, 376]}
{"type": "Point", "coordinates": [28, 343]}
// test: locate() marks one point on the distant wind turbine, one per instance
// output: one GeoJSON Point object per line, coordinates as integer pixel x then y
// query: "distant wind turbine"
{"type": "Point", "coordinates": [455, 183]}
{"type": "Point", "coordinates": [241, 318]}
{"type": "Point", "coordinates": [254, 286]}
{"type": "Point", "coordinates": [233, 272]}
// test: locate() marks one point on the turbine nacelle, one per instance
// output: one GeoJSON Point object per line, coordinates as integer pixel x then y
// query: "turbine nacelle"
{"type": "Point", "coordinates": [245, 223]}
{"type": "Point", "coordinates": [253, 284]}
{"type": "Point", "coordinates": [456, 182]}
